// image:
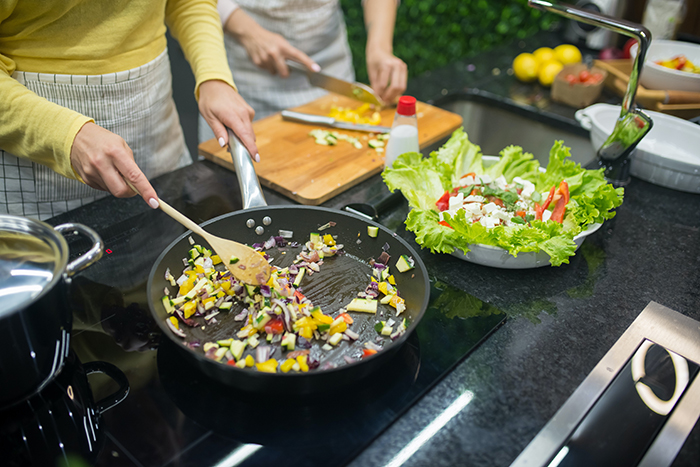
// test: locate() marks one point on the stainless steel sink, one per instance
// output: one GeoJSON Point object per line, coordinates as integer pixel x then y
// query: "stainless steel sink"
{"type": "Point", "coordinates": [493, 128]}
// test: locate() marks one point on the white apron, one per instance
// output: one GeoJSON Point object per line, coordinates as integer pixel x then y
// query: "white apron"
{"type": "Point", "coordinates": [136, 104]}
{"type": "Point", "coordinates": [316, 27]}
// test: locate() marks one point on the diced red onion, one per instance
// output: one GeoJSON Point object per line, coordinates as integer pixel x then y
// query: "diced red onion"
{"type": "Point", "coordinates": [262, 353]}
{"type": "Point", "coordinates": [372, 346]}
{"type": "Point", "coordinates": [189, 322]}
{"type": "Point", "coordinates": [167, 274]}
{"type": "Point", "coordinates": [384, 258]}
{"type": "Point", "coordinates": [352, 334]}
{"type": "Point", "coordinates": [265, 291]}
{"type": "Point", "coordinates": [175, 330]}
{"type": "Point", "coordinates": [166, 291]}
{"type": "Point", "coordinates": [293, 269]}
{"type": "Point", "coordinates": [270, 243]}
{"type": "Point", "coordinates": [211, 315]}
{"type": "Point", "coordinates": [349, 359]}
{"type": "Point", "coordinates": [386, 247]}
{"type": "Point", "coordinates": [241, 316]}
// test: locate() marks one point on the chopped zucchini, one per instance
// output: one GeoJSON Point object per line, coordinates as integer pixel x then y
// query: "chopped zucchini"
{"type": "Point", "coordinates": [372, 231]}
{"type": "Point", "coordinates": [168, 304]}
{"type": "Point", "coordinates": [363, 305]}
{"type": "Point", "coordinates": [225, 342]}
{"type": "Point", "coordinates": [336, 338]}
{"type": "Point", "coordinates": [300, 276]}
{"type": "Point", "coordinates": [374, 144]}
{"type": "Point", "coordinates": [233, 259]}
{"type": "Point", "coordinates": [404, 263]}
{"type": "Point", "coordinates": [225, 306]}
{"type": "Point", "coordinates": [237, 348]}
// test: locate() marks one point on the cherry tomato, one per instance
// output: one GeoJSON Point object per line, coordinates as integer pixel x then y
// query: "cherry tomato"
{"type": "Point", "coordinates": [584, 75]}
{"type": "Point", "coordinates": [571, 79]}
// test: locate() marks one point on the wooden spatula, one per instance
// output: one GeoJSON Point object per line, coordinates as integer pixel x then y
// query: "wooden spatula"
{"type": "Point", "coordinates": [246, 264]}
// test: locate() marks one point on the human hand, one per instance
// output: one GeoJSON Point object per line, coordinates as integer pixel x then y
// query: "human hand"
{"type": "Point", "coordinates": [387, 74]}
{"type": "Point", "coordinates": [104, 160]}
{"type": "Point", "coordinates": [222, 107]}
{"type": "Point", "coordinates": [267, 50]}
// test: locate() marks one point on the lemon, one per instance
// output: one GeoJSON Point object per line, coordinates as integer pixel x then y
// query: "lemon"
{"type": "Point", "coordinates": [544, 54]}
{"type": "Point", "coordinates": [567, 53]}
{"type": "Point", "coordinates": [548, 71]}
{"type": "Point", "coordinates": [525, 67]}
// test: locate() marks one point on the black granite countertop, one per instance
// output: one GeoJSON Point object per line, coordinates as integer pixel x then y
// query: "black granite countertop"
{"type": "Point", "coordinates": [560, 321]}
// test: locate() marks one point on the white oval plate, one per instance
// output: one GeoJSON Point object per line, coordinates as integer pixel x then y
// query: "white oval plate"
{"type": "Point", "coordinates": [496, 257]}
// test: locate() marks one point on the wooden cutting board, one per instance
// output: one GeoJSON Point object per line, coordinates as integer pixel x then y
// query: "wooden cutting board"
{"type": "Point", "coordinates": [292, 164]}
{"type": "Point", "coordinates": [678, 103]}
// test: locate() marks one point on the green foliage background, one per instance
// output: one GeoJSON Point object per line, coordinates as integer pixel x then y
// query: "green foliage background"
{"type": "Point", "coordinates": [432, 33]}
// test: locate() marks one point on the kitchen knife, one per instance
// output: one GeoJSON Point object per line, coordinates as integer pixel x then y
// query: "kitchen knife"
{"type": "Point", "coordinates": [358, 91]}
{"type": "Point", "coordinates": [332, 122]}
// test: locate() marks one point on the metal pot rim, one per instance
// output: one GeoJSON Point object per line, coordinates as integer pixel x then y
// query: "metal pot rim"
{"type": "Point", "coordinates": [45, 232]}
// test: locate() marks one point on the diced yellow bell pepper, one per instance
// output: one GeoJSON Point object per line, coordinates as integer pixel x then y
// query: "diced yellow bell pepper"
{"type": "Point", "coordinates": [269, 366]}
{"type": "Point", "coordinates": [215, 259]}
{"type": "Point", "coordinates": [306, 332]}
{"type": "Point", "coordinates": [199, 269]}
{"type": "Point", "coordinates": [319, 316]}
{"type": "Point", "coordinates": [301, 360]}
{"type": "Point", "coordinates": [189, 308]}
{"type": "Point", "coordinates": [287, 365]}
{"type": "Point", "coordinates": [340, 327]}
{"type": "Point", "coordinates": [175, 322]}
{"type": "Point", "coordinates": [187, 285]}
{"type": "Point", "coordinates": [328, 240]}
{"type": "Point", "coordinates": [383, 288]}
{"type": "Point", "coordinates": [249, 361]}
{"type": "Point", "coordinates": [395, 299]}
{"type": "Point", "coordinates": [221, 294]}
{"type": "Point", "coordinates": [391, 280]}
{"type": "Point", "coordinates": [208, 299]}
{"type": "Point", "coordinates": [226, 285]}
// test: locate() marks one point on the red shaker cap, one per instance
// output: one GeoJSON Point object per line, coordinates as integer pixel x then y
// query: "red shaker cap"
{"type": "Point", "coordinates": [406, 106]}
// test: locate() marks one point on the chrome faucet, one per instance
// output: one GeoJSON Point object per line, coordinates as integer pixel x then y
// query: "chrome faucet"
{"type": "Point", "coordinates": [632, 124]}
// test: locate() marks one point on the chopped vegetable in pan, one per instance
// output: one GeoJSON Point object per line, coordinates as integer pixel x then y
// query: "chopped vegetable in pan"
{"type": "Point", "coordinates": [281, 330]}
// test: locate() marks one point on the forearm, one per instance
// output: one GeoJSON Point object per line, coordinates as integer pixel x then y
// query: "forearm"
{"type": "Point", "coordinates": [36, 129]}
{"type": "Point", "coordinates": [197, 27]}
{"type": "Point", "coordinates": [380, 17]}
{"type": "Point", "coordinates": [240, 25]}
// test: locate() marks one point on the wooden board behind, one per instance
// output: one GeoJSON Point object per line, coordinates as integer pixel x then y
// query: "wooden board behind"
{"type": "Point", "coordinates": [292, 164]}
{"type": "Point", "coordinates": [618, 76]}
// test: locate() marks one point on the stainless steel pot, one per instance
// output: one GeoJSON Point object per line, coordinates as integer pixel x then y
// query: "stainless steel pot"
{"type": "Point", "coordinates": [35, 319]}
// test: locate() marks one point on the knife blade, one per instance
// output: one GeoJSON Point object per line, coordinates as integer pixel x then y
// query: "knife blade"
{"type": "Point", "coordinates": [332, 122]}
{"type": "Point", "coordinates": [353, 90]}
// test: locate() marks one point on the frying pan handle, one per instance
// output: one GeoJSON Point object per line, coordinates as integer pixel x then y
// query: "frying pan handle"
{"type": "Point", "coordinates": [247, 178]}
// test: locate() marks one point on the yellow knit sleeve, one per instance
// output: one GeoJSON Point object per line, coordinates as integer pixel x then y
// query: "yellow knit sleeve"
{"type": "Point", "coordinates": [197, 27]}
{"type": "Point", "coordinates": [35, 128]}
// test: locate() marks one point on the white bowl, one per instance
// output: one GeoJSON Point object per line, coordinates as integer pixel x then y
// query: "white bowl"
{"type": "Point", "coordinates": [667, 156]}
{"type": "Point", "coordinates": [655, 76]}
{"type": "Point", "coordinates": [496, 257]}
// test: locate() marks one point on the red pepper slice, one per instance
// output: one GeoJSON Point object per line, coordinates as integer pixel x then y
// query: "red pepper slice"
{"type": "Point", "coordinates": [445, 224]}
{"type": "Point", "coordinates": [368, 352]}
{"type": "Point", "coordinates": [443, 204]}
{"type": "Point", "coordinates": [299, 296]}
{"type": "Point", "coordinates": [545, 205]}
{"type": "Point", "coordinates": [274, 326]}
{"type": "Point", "coordinates": [560, 207]}
{"type": "Point", "coordinates": [346, 317]}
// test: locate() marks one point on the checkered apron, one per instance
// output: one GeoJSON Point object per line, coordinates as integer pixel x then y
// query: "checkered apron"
{"type": "Point", "coordinates": [315, 27]}
{"type": "Point", "coordinates": [136, 104]}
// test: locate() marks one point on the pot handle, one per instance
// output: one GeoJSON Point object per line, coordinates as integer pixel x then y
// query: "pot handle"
{"type": "Point", "coordinates": [117, 376]}
{"type": "Point", "coordinates": [88, 258]}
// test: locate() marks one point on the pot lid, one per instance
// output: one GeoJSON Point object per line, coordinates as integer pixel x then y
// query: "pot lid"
{"type": "Point", "coordinates": [32, 257]}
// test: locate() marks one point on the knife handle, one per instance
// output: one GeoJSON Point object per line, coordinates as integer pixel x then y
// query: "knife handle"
{"type": "Point", "coordinates": [307, 118]}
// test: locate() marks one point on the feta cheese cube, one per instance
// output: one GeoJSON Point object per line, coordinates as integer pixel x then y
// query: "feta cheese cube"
{"type": "Point", "coordinates": [487, 222]}
{"type": "Point", "coordinates": [501, 182]}
{"type": "Point", "coordinates": [490, 207]}
{"type": "Point", "coordinates": [455, 202]}
{"type": "Point", "coordinates": [475, 199]}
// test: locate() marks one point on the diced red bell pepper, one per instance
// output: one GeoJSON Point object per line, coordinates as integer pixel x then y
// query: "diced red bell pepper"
{"type": "Point", "coordinates": [346, 317]}
{"type": "Point", "coordinates": [274, 326]}
{"type": "Point", "coordinates": [520, 214]}
{"type": "Point", "coordinates": [299, 296]}
{"type": "Point", "coordinates": [445, 224]}
{"type": "Point", "coordinates": [443, 204]}
{"type": "Point", "coordinates": [368, 352]}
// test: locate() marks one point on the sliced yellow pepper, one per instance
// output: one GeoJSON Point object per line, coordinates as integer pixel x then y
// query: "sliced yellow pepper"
{"type": "Point", "coordinates": [175, 322]}
{"type": "Point", "coordinates": [341, 327]}
{"type": "Point", "coordinates": [383, 288]}
{"type": "Point", "coordinates": [301, 359]}
{"type": "Point", "coordinates": [328, 240]}
{"type": "Point", "coordinates": [215, 259]}
{"type": "Point", "coordinates": [199, 269]}
{"type": "Point", "coordinates": [187, 285]}
{"type": "Point", "coordinates": [394, 300]}
{"type": "Point", "coordinates": [269, 366]}
{"type": "Point", "coordinates": [287, 365]}
{"type": "Point", "coordinates": [249, 361]}
{"type": "Point", "coordinates": [391, 280]}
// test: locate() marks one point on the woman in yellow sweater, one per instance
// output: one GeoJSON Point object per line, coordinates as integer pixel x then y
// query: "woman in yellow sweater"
{"type": "Point", "coordinates": [85, 96]}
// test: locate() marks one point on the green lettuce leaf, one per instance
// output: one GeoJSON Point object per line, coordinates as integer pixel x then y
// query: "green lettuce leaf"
{"type": "Point", "coordinates": [424, 180]}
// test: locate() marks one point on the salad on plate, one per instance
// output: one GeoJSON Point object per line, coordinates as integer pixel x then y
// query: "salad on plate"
{"type": "Point", "coordinates": [461, 198]}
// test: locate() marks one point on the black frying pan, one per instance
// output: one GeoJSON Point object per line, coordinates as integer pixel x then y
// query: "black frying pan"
{"type": "Point", "coordinates": [339, 280]}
